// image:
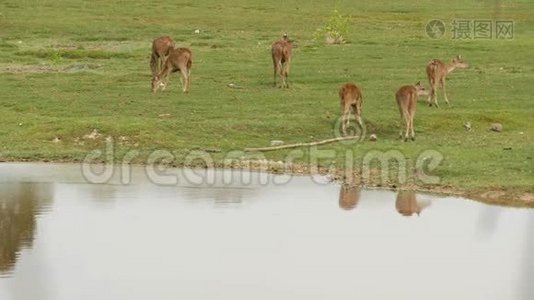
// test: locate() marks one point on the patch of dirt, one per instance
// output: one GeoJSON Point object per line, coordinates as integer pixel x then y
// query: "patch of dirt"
{"type": "Point", "coordinates": [527, 197]}
{"type": "Point", "coordinates": [492, 197]}
{"type": "Point", "coordinates": [39, 69]}
{"type": "Point", "coordinates": [28, 69]}
{"type": "Point", "coordinates": [502, 198]}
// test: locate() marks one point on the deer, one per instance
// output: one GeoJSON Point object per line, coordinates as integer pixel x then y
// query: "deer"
{"type": "Point", "coordinates": [350, 100]}
{"type": "Point", "coordinates": [437, 72]}
{"type": "Point", "coordinates": [407, 97]}
{"type": "Point", "coordinates": [281, 52]}
{"type": "Point", "coordinates": [180, 59]}
{"type": "Point", "coordinates": [161, 49]}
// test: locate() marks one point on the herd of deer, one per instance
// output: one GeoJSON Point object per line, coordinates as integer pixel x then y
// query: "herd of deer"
{"type": "Point", "coordinates": [167, 59]}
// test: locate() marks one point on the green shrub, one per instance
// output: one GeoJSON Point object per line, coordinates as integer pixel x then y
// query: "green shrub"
{"type": "Point", "coordinates": [335, 30]}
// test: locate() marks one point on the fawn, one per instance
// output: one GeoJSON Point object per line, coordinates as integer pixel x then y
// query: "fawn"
{"type": "Point", "coordinates": [161, 49]}
{"type": "Point", "coordinates": [437, 72]}
{"type": "Point", "coordinates": [406, 98]}
{"type": "Point", "coordinates": [351, 99]}
{"type": "Point", "coordinates": [180, 59]}
{"type": "Point", "coordinates": [281, 54]}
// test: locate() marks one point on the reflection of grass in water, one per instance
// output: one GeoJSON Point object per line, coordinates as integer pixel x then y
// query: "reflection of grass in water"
{"type": "Point", "coordinates": [388, 48]}
{"type": "Point", "coordinates": [19, 205]}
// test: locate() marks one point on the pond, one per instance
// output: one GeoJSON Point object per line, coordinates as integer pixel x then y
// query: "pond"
{"type": "Point", "coordinates": [246, 235]}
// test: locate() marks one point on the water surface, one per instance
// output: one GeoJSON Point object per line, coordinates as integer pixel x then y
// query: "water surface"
{"type": "Point", "coordinates": [62, 238]}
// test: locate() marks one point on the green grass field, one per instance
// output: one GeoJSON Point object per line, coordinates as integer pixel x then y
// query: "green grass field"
{"type": "Point", "coordinates": [68, 67]}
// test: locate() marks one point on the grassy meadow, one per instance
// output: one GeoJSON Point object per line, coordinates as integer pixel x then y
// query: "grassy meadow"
{"type": "Point", "coordinates": [68, 67]}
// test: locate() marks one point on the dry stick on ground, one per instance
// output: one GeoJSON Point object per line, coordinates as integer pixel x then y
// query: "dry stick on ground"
{"type": "Point", "coordinates": [272, 148]}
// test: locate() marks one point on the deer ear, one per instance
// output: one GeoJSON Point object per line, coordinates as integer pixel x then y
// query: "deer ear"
{"type": "Point", "coordinates": [459, 57]}
{"type": "Point", "coordinates": [418, 83]}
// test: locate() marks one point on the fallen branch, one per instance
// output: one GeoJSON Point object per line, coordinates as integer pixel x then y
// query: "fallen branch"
{"type": "Point", "coordinates": [328, 141]}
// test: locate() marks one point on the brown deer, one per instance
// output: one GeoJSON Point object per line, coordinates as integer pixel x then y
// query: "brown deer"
{"type": "Point", "coordinates": [161, 49]}
{"type": "Point", "coordinates": [281, 54]}
{"type": "Point", "coordinates": [180, 59]}
{"type": "Point", "coordinates": [407, 97]}
{"type": "Point", "coordinates": [437, 71]}
{"type": "Point", "coordinates": [351, 99]}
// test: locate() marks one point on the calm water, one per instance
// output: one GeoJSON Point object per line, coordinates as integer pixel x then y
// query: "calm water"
{"type": "Point", "coordinates": [61, 238]}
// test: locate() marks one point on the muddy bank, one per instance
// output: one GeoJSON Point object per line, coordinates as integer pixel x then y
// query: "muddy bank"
{"type": "Point", "coordinates": [374, 180]}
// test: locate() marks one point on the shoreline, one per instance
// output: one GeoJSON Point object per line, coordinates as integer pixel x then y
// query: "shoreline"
{"type": "Point", "coordinates": [488, 196]}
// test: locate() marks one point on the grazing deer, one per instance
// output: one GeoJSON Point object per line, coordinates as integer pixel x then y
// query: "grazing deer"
{"type": "Point", "coordinates": [437, 71]}
{"type": "Point", "coordinates": [281, 53]}
{"type": "Point", "coordinates": [351, 99]}
{"type": "Point", "coordinates": [161, 48]}
{"type": "Point", "coordinates": [180, 59]}
{"type": "Point", "coordinates": [407, 101]}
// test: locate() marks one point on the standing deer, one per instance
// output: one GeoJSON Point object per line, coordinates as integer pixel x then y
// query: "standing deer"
{"type": "Point", "coordinates": [180, 59]}
{"type": "Point", "coordinates": [281, 54]}
{"type": "Point", "coordinates": [161, 49]}
{"type": "Point", "coordinates": [407, 101]}
{"type": "Point", "coordinates": [351, 99]}
{"type": "Point", "coordinates": [437, 71]}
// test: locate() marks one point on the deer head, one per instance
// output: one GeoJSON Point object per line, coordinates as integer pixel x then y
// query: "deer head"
{"type": "Point", "coordinates": [459, 63]}
{"type": "Point", "coordinates": [157, 82]}
{"type": "Point", "coordinates": [420, 90]}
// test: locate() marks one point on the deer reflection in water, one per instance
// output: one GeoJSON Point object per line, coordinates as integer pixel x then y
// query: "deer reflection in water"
{"type": "Point", "coordinates": [20, 203]}
{"type": "Point", "coordinates": [349, 196]}
{"type": "Point", "coordinates": [407, 204]}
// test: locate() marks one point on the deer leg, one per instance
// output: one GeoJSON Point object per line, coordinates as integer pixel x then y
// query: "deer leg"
{"type": "Point", "coordinates": [152, 65]}
{"type": "Point", "coordinates": [184, 79]}
{"type": "Point", "coordinates": [411, 127]}
{"type": "Point", "coordinates": [346, 117]}
{"type": "Point", "coordinates": [445, 91]}
{"type": "Point", "coordinates": [406, 116]}
{"type": "Point", "coordinates": [358, 118]}
{"type": "Point", "coordinates": [159, 66]}
{"type": "Point", "coordinates": [401, 124]}
{"type": "Point", "coordinates": [281, 73]}
{"type": "Point", "coordinates": [432, 96]}
{"type": "Point", "coordinates": [165, 81]}
{"type": "Point", "coordinates": [188, 79]}
{"type": "Point", "coordinates": [401, 121]}
{"type": "Point", "coordinates": [360, 124]}
{"type": "Point", "coordinates": [345, 123]}
{"type": "Point", "coordinates": [275, 67]}
{"type": "Point", "coordinates": [287, 66]}
{"type": "Point", "coordinates": [285, 74]}
{"type": "Point", "coordinates": [435, 95]}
